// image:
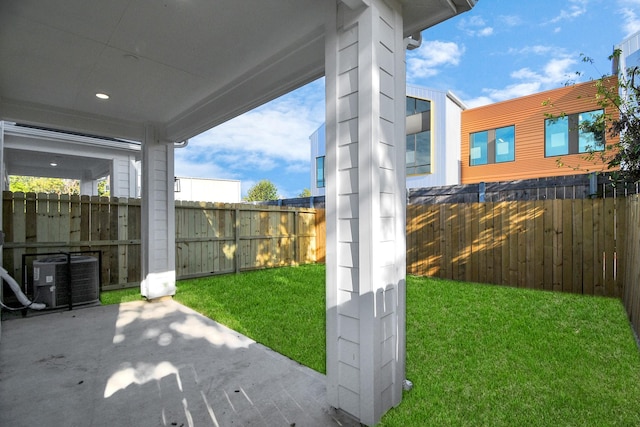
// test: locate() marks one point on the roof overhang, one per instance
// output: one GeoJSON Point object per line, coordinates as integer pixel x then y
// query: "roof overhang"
{"type": "Point", "coordinates": [181, 65]}
{"type": "Point", "coordinates": [30, 151]}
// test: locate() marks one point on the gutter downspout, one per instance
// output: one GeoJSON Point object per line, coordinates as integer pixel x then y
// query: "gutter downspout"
{"type": "Point", "coordinates": [414, 41]}
{"type": "Point", "coordinates": [181, 144]}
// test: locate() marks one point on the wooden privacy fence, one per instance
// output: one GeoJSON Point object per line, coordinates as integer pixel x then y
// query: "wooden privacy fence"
{"type": "Point", "coordinates": [211, 238]}
{"type": "Point", "coordinates": [589, 246]}
{"type": "Point", "coordinates": [560, 245]}
{"type": "Point", "coordinates": [216, 238]}
{"type": "Point", "coordinates": [45, 223]}
{"type": "Point", "coordinates": [631, 273]}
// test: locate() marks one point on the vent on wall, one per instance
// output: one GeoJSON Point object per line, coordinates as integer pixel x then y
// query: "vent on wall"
{"type": "Point", "coordinates": [51, 280]}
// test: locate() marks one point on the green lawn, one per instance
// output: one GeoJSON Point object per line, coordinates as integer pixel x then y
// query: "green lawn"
{"type": "Point", "coordinates": [478, 355]}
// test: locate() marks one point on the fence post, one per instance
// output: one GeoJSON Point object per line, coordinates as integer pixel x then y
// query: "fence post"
{"type": "Point", "coordinates": [236, 232]}
{"type": "Point", "coordinates": [482, 187]}
{"type": "Point", "coordinates": [296, 242]}
{"type": "Point", "coordinates": [593, 184]}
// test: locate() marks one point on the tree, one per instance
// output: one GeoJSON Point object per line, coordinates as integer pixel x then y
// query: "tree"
{"type": "Point", "coordinates": [623, 97]}
{"type": "Point", "coordinates": [103, 189]}
{"type": "Point", "coordinates": [626, 99]}
{"type": "Point", "coordinates": [262, 191]}
{"type": "Point", "coordinates": [305, 193]}
{"type": "Point", "coordinates": [32, 184]}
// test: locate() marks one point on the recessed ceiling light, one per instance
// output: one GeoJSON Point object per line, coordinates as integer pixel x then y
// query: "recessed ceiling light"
{"type": "Point", "coordinates": [53, 164]}
{"type": "Point", "coordinates": [100, 95]}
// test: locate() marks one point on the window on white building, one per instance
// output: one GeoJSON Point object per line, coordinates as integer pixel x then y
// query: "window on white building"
{"type": "Point", "coordinates": [320, 172]}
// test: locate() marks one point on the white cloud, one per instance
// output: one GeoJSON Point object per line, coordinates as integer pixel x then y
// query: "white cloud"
{"type": "Point", "coordinates": [429, 59]}
{"type": "Point", "coordinates": [510, 20]}
{"type": "Point", "coordinates": [630, 17]}
{"type": "Point", "coordinates": [554, 73]}
{"type": "Point", "coordinates": [479, 101]}
{"type": "Point", "coordinates": [574, 10]}
{"type": "Point", "coordinates": [511, 91]}
{"type": "Point", "coordinates": [535, 49]}
{"type": "Point", "coordinates": [188, 164]}
{"type": "Point", "coordinates": [475, 26]}
{"type": "Point", "coordinates": [557, 71]}
{"type": "Point", "coordinates": [275, 135]}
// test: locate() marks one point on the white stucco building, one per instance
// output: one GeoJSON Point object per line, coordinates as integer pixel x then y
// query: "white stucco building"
{"type": "Point", "coordinates": [433, 120]}
{"type": "Point", "coordinates": [207, 190]}
{"type": "Point", "coordinates": [630, 51]}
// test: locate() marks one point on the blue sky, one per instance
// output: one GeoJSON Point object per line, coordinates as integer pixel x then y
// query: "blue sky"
{"type": "Point", "coordinates": [501, 49]}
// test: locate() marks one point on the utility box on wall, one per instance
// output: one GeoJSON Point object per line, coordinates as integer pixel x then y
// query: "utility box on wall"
{"type": "Point", "coordinates": [51, 280]}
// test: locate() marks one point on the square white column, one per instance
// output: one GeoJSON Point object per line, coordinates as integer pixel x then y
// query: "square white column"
{"type": "Point", "coordinates": [2, 176]}
{"type": "Point", "coordinates": [365, 205]}
{"type": "Point", "coordinates": [158, 217]}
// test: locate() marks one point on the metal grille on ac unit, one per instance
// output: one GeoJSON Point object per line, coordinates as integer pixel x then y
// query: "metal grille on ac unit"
{"type": "Point", "coordinates": [51, 280]}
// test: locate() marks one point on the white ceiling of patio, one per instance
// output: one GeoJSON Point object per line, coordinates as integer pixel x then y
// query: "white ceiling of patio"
{"type": "Point", "coordinates": [184, 65]}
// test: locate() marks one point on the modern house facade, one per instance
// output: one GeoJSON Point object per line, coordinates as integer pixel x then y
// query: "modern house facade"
{"type": "Point", "coordinates": [533, 136]}
{"type": "Point", "coordinates": [629, 52]}
{"type": "Point", "coordinates": [433, 119]}
{"type": "Point", "coordinates": [539, 135]}
{"type": "Point", "coordinates": [433, 137]}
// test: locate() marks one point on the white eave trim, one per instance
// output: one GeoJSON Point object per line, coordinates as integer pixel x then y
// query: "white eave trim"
{"type": "Point", "coordinates": [12, 129]}
{"type": "Point", "coordinates": [456, 100]}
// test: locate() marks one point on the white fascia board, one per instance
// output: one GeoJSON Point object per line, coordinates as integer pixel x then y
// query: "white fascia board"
{"type": "Point", "coordinates": [453, 97]}
{"type": "Point", "coordinates": [30, 133]}
{"type": "Point", "coordinates": [355, 4]}
{"type": "Point", "coordinates": [69, 120]}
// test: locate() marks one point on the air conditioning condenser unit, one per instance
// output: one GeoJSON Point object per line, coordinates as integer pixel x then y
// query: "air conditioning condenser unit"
{"type": "Point", "coordinates": [51, 280]}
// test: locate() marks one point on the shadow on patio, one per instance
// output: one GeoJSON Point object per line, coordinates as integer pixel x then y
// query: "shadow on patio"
{"type": "Point", "coordinates": [150, 364]}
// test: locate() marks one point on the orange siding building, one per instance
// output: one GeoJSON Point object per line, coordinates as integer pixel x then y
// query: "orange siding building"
{"type": "Point", "coordinates": [535, 145]}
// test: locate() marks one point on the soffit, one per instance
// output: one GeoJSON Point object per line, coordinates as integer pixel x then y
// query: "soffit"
{"type": "Point", "coordinates": [184, 65]}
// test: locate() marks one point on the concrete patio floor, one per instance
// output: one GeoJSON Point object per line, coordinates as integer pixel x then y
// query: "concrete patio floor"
{"type": "Point", "coordinates": [150, 364]}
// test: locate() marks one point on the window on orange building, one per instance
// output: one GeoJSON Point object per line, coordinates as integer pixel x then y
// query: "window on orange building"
{"type": "Point", "coordinates": [492, 146]}
{"type": "Point", "coordinates": [571, 134]}
{"type": "Point", "coordinates": [479, 148]}
{"type": "Point", "coordinates": [556, 136]}
{"type": "Point", "coordinates": [588, 139]}
{"type": "Point", "coordinates": [505, 140]}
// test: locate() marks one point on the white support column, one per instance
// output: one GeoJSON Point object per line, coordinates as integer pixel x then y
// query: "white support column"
{"type": "Point", "coordinates": [123, 177]}
{"type": "Point", "coordinates": [158, 217]}
{"type": "Point", "coordinates": [2, 186]}
{"type": "Point", "coordinates": [365, 202]}
{"type": "Point", "coordinates": [88, 186]}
